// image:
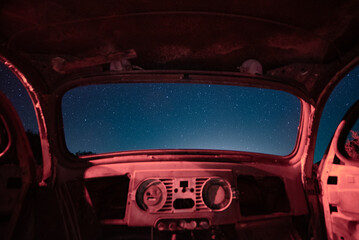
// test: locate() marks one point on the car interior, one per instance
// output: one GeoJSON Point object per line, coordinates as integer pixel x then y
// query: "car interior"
{"type": "Point", "coordinates": [177, 120]}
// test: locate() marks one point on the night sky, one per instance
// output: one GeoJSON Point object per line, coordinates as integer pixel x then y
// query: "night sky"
{"type": "Point", "coordinates": [109, 118]}
{"type": "Point", "coordinates": [149, 116]}
{"type": "Point", "coordinates": [342, 98]}
{"type": "Point", "coordinates": [15, 91]}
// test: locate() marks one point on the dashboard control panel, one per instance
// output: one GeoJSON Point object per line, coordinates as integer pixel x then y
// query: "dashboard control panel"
{"type": "Point", "coordinates": [182, 200]}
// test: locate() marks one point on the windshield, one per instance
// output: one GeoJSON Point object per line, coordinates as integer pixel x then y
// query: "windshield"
{"type": "Point", "coordinates": [138, 116]}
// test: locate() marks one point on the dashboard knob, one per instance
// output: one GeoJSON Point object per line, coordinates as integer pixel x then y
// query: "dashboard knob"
{"type": "Point", "coordinates": [182, 224]}
{"type": "Point", "coordinates": [161, 226]}
{"type": "Point", "coordinates": [192, 225]}
{"type": "Point", "coordinates": [204, 224]}
{"type": "Point", "coordinates": [188, 225]}
{"type": "Point", "coordinates": [172, 226]}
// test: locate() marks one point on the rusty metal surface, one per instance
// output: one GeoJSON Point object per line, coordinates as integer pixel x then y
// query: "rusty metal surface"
{"type": "Point", "coordinates": [186, 35]}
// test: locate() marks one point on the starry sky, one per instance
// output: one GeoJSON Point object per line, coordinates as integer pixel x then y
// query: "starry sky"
{"type": "Point", "coordinates": [15, 91]}
{"type": "Point", "coordinates": [107, 118]}
{"type": "Point", "coordinates": [147, 116]}
{"type": "Point", "coordinates": [341, 99]}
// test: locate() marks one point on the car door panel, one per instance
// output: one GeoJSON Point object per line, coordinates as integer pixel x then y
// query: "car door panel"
{"type": "Point", "coordinates": [17, 168]}
{"type": "Point", "coordinates": [339, 181]}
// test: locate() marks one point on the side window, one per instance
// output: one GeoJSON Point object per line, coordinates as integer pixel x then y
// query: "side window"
{"type": "Point", "coordinates": [341, 99]}
{"type": "Point", "coordinates": [352, 143]}
{"type": "Point", "coordinates": [11, 86]}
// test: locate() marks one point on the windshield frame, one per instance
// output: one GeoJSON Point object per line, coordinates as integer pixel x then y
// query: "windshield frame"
{"type": "Point", "coordinates": [188, 77]}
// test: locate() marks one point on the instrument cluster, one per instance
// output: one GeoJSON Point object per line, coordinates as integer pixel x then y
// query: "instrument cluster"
{"type": "Point", "coordinates": [183, 195]}
{"type": "Point", "coordinates": [181, 200]}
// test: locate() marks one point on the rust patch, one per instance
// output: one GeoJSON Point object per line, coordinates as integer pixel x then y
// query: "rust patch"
{"type": "Point", "coordinates": [172, 52]}
{"type": "Point", "coordinates": [311, 47]}
{"type": "Point", "coordinates": [221, 48]}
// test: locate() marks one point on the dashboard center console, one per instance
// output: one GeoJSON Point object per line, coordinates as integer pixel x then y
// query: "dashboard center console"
{"type": "Point", "coordinates": [182, 199]}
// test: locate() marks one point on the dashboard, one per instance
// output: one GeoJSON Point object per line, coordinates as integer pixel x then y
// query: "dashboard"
{"type": "Point", "coordinates": [182, 200]}
{"type": "Point", "coordinates": [176, 196]}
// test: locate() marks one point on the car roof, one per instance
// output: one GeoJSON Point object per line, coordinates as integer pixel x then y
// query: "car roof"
{"type": "Point", "coordinates": [301, 43]}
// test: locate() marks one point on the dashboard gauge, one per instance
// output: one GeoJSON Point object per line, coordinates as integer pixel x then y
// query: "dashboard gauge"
{"type": "Point", "coordinates": [151, 195]}
{"type": "Point", "coordinates": [216, 194]}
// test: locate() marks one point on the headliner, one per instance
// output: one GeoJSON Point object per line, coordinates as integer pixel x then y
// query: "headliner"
{"type": "Point", "coordinates": [301, 42]}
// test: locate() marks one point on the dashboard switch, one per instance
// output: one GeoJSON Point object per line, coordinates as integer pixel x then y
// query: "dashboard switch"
{"type": "Point", "coordinates": [204, 224]}
{"type": "Point", "coordinates": [172, 226]}
{"type": "Point", "coordinates": [161, 226]}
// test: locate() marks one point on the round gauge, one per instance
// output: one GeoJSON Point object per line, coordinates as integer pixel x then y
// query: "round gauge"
{"type": "Point", "coordinates": [151, 195]}
{"type": "Point", "coordinates": [216, 193]}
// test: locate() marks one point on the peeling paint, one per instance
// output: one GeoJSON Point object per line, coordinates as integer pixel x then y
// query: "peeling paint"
{"type": "Point", "coordinates": [221, 48]}
{"type": "Point", "coordinates": [299, 44]}
{"type": "Point", "coordinates": [173, 52]}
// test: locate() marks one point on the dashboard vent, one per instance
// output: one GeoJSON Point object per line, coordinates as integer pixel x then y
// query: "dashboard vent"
{"type": "Point", "coordinates": [167, 207]}
{"type": "Point", "coordinates": [200, 206]}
